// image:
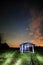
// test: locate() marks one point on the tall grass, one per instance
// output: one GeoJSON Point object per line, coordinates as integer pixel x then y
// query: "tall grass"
{"type": "Point", "coordinates": [15, 57]}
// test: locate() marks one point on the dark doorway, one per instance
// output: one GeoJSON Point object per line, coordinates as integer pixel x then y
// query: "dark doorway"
{"type": "Point", "coordinates": [30, 48]}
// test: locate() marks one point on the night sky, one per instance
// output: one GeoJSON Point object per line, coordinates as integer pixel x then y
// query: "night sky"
{"type": "Point", "coordinates": [21, 21]}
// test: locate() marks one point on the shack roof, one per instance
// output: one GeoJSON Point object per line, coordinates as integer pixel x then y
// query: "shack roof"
{"type": "Point", "coordinates": [27, 43]}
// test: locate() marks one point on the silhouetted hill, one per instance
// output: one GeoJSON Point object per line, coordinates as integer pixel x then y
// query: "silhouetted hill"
{"type": "Point", "coordinates": [4, 46]}
{"type": "Point", "coordinates": [39, 49]}
{"type": "Point", "coordinates": [14, 48]}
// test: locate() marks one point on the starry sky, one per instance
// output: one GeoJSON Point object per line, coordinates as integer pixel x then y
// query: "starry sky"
{"type": "Point", "coordinates": [21, 21]}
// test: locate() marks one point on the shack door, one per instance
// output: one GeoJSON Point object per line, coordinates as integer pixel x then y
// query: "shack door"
{"type": "Point", "coordinates": [30, 48]}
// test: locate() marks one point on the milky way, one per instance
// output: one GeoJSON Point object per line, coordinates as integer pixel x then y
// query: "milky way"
{"type": "Point", "coordinates": [36, 28]}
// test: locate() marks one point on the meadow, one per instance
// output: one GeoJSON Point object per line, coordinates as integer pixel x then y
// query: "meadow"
{"type": "Point", "coordinates": [11, 57]}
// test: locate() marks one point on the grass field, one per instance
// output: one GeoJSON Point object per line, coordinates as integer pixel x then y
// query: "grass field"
{"type": "Point", "coordinates": [12, 57]}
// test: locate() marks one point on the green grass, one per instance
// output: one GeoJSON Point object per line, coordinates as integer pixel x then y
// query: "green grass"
{"type": "Point", "coordinates": [15, 58]}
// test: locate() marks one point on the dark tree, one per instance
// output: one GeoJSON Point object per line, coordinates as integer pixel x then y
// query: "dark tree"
{"type": "Point", "coordinates": [0, 38]}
